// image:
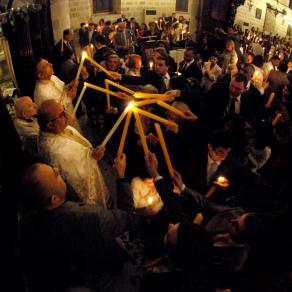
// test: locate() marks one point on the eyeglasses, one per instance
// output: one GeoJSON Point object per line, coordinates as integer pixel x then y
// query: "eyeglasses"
{"type": "Point", "coordinates": [62, 114]}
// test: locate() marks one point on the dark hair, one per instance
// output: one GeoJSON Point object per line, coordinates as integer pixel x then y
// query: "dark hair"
{"type": "Point", "coordinates": [108, 22]}
{"type": "Point", "coordinates": [100, 39]}
{"type": "Point", "coordinates": [220, 138]}
{"type": "Point", "coordinates": [165, 59]}
{"type": "Point", "coordinates": [276, 58]}
{"type": "Point", "coordinates": [239, 77]}
{"type": "Point", "coordinates": [255, 231]}
{"type": "Point", "coordinates": [192, 50]}
{"type": "Point", "coordinates": [66, 31]}
{"type": "Point", "coordinates": [67, 54]}
{"type": "Point", "coordinates": [82, 23]}
{"type": "Point", "coordinates": [258, 60]}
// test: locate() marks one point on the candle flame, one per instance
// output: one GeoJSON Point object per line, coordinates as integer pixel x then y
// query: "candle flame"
{"type": "Point", "coordinates": [91, 45]}
{"type": "Point", "coordinates": [150, 201]}
{"type": "Point", "coordinates": [131, 105]}
{"type": "Point", "coordinates": [221, 179]}
{"type": "Point", "coordinates": [84, 55]}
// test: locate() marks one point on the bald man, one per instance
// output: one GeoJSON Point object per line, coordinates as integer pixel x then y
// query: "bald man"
{"type": "Point", "coordinates": [49, 86]}
{"type": "Point", "coordinates": [64, 147]}
{"type": "Point", "coordinates": [26, 124]}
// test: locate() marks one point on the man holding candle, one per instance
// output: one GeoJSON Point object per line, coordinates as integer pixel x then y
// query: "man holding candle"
{"type": "Point", "coordinates": [222, 241]}
{"type": "Point", "coordinates": [64, 147]}
{"type": "Point", "coordinates": [49, 86]}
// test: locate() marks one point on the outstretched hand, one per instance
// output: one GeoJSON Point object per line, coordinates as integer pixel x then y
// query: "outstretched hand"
{"type": "Point", "coordinates": [177, 179]}
{"type": "Point", "coordinates": [120, 164]}
{"type": "Point", "coordinates": [98, 152]}
{"type": "Point", "coordinates": [124, 96]}
{"type": "Point", "coordinates": [151, 164]}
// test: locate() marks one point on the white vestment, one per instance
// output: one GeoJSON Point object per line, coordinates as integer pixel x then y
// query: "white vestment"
{"type": "Point", "coordinates": [52, 89]}
{"type": "Point", "coordinates": [71, 153]}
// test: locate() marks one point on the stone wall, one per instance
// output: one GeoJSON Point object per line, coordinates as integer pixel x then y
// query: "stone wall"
{"type": "Point", "coordinates": [247, 13]}
{"type": "Point", "coordinates": [82, 10]}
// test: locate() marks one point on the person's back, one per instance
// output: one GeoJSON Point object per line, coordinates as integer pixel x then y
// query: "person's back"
{"type": "Point", "coordinates": [72, 242]}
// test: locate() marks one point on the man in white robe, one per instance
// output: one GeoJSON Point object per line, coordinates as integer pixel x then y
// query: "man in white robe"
{"type": "Point", "coordinates": [64, 147]}
{"type": "Point", "coordinates": [49, 86]}
{"type": "Point", "coordinates": [27, 125]}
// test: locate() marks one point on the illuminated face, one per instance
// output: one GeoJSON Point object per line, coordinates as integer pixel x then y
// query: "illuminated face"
{"type": "Point", "coordinates": [160, 67]}
{"type": "Point", "coordinates": [45, 70]}
{"type": "Point", "coordinates": [249, 59]}
{"type": "Point", "coordinates": [113, 64]}
{"type": "Point", "coordinates": [213, 60]}
{"type": "Point", "coordinates": [218, 153]}
{"type": "Point", "coordinates": [58, 118]}
{"type": "Point", "coordinates": [236, 88]}
{"type": "Point", "coordinates": [29, 108]}
{"type": "Point", "coordinates": [51, 179]}
{"type": "Point", "coordinates": [188, 56]}
{"type": "Point", "coordinates": [236, 226]}
{"type": "Point", "coordinates": [229, 47]}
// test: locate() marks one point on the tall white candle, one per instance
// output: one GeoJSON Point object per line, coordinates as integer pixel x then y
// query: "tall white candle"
{"type": "Point", "coordinates": [84, 55]}
{"type": "Point", "coordinates": [79, 99]}
{"type": "Point", "coordinates": [118, 122]}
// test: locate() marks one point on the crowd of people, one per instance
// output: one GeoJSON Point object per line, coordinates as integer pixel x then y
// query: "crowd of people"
{"type": "Point", "coordinates": [220, 220]}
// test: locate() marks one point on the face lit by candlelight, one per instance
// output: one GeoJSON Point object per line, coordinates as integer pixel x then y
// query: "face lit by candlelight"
{"type": "Point", "coordinates": [219, 153]}
{"type": "Point", "coordinates": [44, 70]}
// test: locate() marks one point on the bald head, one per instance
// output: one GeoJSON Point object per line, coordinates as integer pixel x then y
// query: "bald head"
{"type": "Point", "coordinates": [40, 183]}
{"type": "Point", "coordinates": [25, 108]}
{"type": "Point", "coordinates": [51, 116]}
{"type": "Point", "coordinates": [44, 70]}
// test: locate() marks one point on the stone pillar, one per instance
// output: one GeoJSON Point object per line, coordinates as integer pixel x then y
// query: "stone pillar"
{"type": "Point", "coordinates": [60, 17]}
{"type": "Point", "coordinates": [194, 17]}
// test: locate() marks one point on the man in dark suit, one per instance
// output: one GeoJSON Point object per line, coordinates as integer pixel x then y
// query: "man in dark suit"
{"type": "Point", "coordinates": [224, 100]}
{"type": "Point", "coordinates": [172, 19]}
{"type": "Point", "coordinates": [122, 19]}
{"type": "Point", "coordinates": [206, 163]}
{"type": "Point", "coordinates": [66, 48]}
{"type": "Point", "coordinates": [101, 49]}
{"type": "Point", "coordinates": [189, 68]}
{"type": "Point", "coordinates": [82, 35]}
{"type": "Point", "coordinates": [90, 35]}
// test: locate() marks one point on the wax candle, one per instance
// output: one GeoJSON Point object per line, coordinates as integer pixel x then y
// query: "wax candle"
{"type": "Point", "coordinates": [170, 108]}
{"type": "Point", "coordinates": [198, 219]}
{"type": "Point", "coordinates": [150, 201]}
{"type": "Point", "coordinates": [276, 119]}
{"type": "Point", "coordinates": [270, 100]}
{"type": "Point", "coordinates": [141, 131]}
{"type": "Point", "coordinates": [119, 86]}
{"type": "Point", "coordinates": [221, 179]}
{"type": "Point", "coordinates": [92, 86]}
{"type": "Point", "coordinates": [117, 123]}
{"type": "Point", "coordinates": [98, 66]}
{"type": "Point", "coordinates": [151, 65]}
{"type": "Point", "coordinates": [108, 98]}
{"type": "Point", "coordinates": [125, 131]}
{"type": "Point", "coordinates": [84, 55]}
{"type": "Point", "coordinates": [150, 95]}
{"type": "Point", "coordinates": [164, 149]}
{"type": "Point", "coordinates": [79, 99]}
{"type": "Point", "coordinates": [155, 117]}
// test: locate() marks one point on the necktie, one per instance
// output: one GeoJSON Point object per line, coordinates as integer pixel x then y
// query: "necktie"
{"type": "Point", "coordinates": [184, 67]}
{"type": "Point", "coordinates": [232, 106]}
